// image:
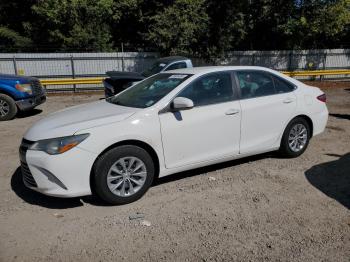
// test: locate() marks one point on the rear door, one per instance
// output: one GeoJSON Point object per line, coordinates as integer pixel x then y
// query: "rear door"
{"type": "Point", "coordinates": [267, 103]}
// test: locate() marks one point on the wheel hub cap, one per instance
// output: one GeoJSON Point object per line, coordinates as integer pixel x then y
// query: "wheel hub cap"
{"type": "Point", "coordinates": [297, 137]}
{"type": "Point", "coordinates": [4, 108]}
{"type": "Point", "coordinates": [126, 176]}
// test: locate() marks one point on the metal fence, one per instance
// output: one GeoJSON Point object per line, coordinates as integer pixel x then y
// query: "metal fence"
{"type": "Point", "coordinates": [76, 65]}
{"type": "Point", "coordinates": [290, 60]}
{"type": "Point", "coordinates": [56, 65]}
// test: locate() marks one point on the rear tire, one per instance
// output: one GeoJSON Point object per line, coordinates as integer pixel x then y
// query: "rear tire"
{"type": "Point", "coordinates": [123, 174]}
{"type": "Point", "coordinates": [295, 138]}
{"type": "Point", "coordinates": [8, 108]}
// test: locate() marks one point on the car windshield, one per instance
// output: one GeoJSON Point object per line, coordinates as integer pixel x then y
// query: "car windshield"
{"type": "Point", "coordinates": [154, 69]}
{"type": "Point", "coordinates": [149, 91]}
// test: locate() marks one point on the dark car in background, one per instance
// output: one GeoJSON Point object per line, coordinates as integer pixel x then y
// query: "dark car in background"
{"type": "Point", "coordinates": [19, 93]}
{"type": "Point", "coordinates": [118, 81]}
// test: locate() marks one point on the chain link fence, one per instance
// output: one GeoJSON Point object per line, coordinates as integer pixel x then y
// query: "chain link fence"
{"type": "Point", "coordinates": [58, 65]}
{"type": "Point", "coordinates": [285, 60]}
{"type": "Point", "coordinates": [74, 65]}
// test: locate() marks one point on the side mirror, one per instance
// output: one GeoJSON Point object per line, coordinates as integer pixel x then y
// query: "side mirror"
{"type": "Point", "coordinates": [181, 103]}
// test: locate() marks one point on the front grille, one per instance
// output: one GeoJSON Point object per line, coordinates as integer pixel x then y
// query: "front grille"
{"type": "Point", "coordinates": [27, 175]}
{"type": "Point", "coordinates": [37, 87]}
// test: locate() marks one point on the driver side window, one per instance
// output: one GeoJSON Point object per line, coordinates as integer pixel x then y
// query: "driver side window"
{"type": "Point", "coordinates": [210, 89]}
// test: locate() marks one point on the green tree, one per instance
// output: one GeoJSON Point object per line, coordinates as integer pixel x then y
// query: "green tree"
{"type": "Point", "coordinates": [127, 23]}
{"type": "Point", "coordinates": [227, 27]}
{"type": "Point", "coordinates": [179, 28]}
{"type": "Point", "coordinates": [263, 19]}
{"type": "Point", "coordinates": [11, 40]}
{"type": "Point", "coordinates": [206, 28]}
{"type": "Point", "coordinates": [14, 35]}
{"type": "Point", "coordinates": [73, 24]}
{"type": "Point", "coordinates": [318, 24]}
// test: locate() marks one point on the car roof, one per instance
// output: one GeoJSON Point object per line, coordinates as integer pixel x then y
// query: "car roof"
{"type": "Point", "coordinates": [209, 69]}
{"type": "Point", "coordinates": [170, 59]}
{"type": "Point", "coordinates": [202, 70]}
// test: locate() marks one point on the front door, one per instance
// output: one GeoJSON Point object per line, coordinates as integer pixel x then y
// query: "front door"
{"type": "Point", "coordinates": [208, 131]}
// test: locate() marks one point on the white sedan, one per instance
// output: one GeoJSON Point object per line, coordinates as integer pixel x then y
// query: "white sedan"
{"type": "Point", "coordinates": [170, 122]}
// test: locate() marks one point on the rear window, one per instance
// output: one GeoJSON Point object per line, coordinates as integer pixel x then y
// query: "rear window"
{"type": "Point", "coordinates": [282, 86]}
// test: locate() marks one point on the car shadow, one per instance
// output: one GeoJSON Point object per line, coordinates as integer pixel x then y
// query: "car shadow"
{"type": "Point", "coordinates": [211, 168]}
{"type": "Point", "coordinates": [332, 178]}
{"type": "Point", "coordinates": [33, 112]}
{"type": "Point", "coordinates": [341, 116]}
{"type": "Point", "coordinates": [34, 198]}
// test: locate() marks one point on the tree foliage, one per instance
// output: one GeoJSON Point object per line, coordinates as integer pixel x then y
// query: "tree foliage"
{"type": "Point", "coordinates": [195, 27]}
{"type": "Point", "coordinates": [174, 32]}
{"type": "Point", "coordinates": [73, 24]}
{"type": "Point", "coordinates": [318, 24]}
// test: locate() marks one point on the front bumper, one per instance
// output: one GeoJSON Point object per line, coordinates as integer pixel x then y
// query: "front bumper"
{"type": "Point", "coordinates": [63, 175]}
{"type": "Point", "coordinates": [30, 103]}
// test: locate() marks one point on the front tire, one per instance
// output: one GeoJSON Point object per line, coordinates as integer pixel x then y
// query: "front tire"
{"type": "Point", "coordinates": [123, 174]}
{"type": "Point", "coordinates": [295, 138]}
{"type": "Point", "coordinates": [8, 108]}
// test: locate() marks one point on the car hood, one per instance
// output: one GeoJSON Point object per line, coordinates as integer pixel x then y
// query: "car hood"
{"type": "Point", "coordinates": [22, 79]}
{"type": "Point", "coordinates": [71, 120]}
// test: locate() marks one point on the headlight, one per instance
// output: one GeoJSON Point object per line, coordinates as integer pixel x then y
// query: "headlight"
{"type": "Point", "coordinates": [27, 88]}
{"type": "Point", "coordinates": [58, 145]}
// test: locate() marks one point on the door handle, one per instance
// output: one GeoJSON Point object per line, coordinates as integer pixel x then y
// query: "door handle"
{"type": "Point", "coordinates": [232, 111]}
{"type": "Point", "coordinates": [288, 100]}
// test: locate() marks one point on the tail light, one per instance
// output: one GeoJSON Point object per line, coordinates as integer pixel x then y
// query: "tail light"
{"type": "Point", "coordinates": [322, 98]}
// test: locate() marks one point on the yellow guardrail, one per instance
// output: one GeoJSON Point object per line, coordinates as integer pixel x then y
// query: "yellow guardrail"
{"type": "Point", "coordinates": [72, 81]}
{"type": "Point", "coordinates": [318, 72]}
{"type": "Point", "coordinates": [98, 80]}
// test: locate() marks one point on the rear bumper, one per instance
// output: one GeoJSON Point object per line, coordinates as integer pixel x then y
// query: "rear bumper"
{"type": "Point", "coordinates": [30, 103]}
{"type": "Point", "coordinates": [320, 121]}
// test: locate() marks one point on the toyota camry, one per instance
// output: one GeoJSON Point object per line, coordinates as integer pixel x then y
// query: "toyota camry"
{"type": "Point", "coordinates": [170, 122]}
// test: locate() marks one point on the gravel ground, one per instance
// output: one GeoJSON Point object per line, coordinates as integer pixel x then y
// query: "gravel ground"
{"type": "Point", "coordinates": [254, 209]}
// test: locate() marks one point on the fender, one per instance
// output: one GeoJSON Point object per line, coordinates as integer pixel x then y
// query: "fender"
{"type": "Point", "coordinates": [287, 122]}
{"type": "Point", "coordinates": [11, 91]}
{"type": "Point", "coordinates": [99, 148]}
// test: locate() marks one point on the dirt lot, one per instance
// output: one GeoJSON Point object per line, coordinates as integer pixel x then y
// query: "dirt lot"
{"type": "Point", "coordinates": [255, 209]}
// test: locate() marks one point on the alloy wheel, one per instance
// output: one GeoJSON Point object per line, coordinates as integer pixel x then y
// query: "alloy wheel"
{"type": "Point", "coordinates": [4, 108]}
{"type": "Point", "coordinates": [298, 137]}
{"type": "Point", "coordinates": [126, 176]}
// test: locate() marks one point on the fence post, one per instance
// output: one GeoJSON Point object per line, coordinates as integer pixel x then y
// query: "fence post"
{"type": "Point", "coordinates": [15, 65]}
{"type": "Point", "coordinates": [73, 72]}
{"type": "Point", "coordinates": [253, 60]}
{"type": "Point", "coordinates": [290, 60]}
{"type": "Point", "coordinates": [122, 56]}
{"type": "Point", "coordinates": [324, 64]}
